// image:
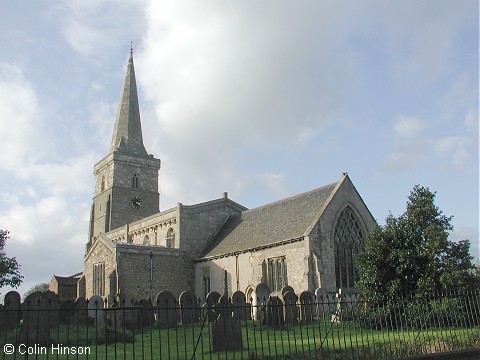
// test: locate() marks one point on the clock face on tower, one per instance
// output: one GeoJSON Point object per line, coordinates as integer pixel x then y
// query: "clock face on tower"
{"type": "Point", "coordinates": [136, 202]}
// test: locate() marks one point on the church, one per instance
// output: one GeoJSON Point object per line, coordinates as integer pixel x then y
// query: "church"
{"type": "Point", "coordinates": [134, 250]}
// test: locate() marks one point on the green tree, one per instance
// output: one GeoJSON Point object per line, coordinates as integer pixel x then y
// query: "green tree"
{"type": "Point", "coordinates": [412, 253]}
{"type": "Point", "coordinates": [42, 287]}
{"type": "Point", "coordinates": [9, 267]}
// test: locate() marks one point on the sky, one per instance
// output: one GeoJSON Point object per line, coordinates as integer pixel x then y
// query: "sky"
{"type": "Point", "coordinates": [261, 99]}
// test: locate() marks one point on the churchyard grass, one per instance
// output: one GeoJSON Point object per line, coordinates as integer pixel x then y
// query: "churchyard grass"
{"type": "Point", "coordinates": [319, 340]}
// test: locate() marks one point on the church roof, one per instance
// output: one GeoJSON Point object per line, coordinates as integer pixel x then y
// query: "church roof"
{"type": "Point", "coordinates": [282, 221]}
{"type": "Point", "coordinates": [127, 133]}
{"type": "Point", "coordinates": [66, 280]}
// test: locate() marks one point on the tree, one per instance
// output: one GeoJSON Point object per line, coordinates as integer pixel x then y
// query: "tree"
{"type": "Point", "coordinates": [39, 287]}
{"type": "Point", "coordinates": [9, 267]}
{"type": "Point", "coordinates": [412, 253]}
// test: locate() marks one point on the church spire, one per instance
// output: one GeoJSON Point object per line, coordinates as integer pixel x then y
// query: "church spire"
{"type": "Point", "coordinates": [127, 133]}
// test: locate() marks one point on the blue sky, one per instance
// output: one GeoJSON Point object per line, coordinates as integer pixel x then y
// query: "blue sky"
{"type": "Point", "coordinates": [260, 99]}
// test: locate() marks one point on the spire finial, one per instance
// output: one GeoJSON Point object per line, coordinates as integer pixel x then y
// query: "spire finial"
{"type": "Point", "coordinates": [131, 47]}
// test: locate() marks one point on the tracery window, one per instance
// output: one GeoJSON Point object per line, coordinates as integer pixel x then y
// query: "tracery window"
{"type": "Point", "coordinates": [99, 279]}
{"type": "Point", "coordinates": [275, 273]}
{"type": "Point", "coordinates": [348, 242]}
{"type": "Point", "coordinates": [170, 239]}
{"type": "Point", "coordinates": [135, 181]}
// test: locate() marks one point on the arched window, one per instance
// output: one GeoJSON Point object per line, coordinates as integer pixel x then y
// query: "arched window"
{"type": "Point", "coordinates": [135, 181]}
{"type": "Point", "coordinates": [146, 240]}
{"type": "Point", "coordinates": [170, 240]}
{"type": "Point", "coordinates": [348, 242]}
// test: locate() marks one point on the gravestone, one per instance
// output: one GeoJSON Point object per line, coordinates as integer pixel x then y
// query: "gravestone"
{"type": "Point", "coordinates": [189, 311]}
{"type": "Point", "coordinates": [3, 317]}
{"type": "Point", "coordinates": [307, 307]}
{"type": "Point", "coordinates": [262, 292]}
{"type": "Point", "coordinates": [225, 331]}
{"type": "Point", "coordinates": [239, 302]}
{"type": "Point", "coordinates": [324, 302]}
{"type": "Point", "coordinates": [36, 319]}
{"type": "Point", "coordinates": [145, 316]}
{"type": "Point", "coordinates": [81, 314]}
{"type": "Point", "coordinates": [337, 317]}
{"type": "Point", "coordinates": [95, 309]}
{"type": "Point", "coordinates": [286, 288]}
{"type": "Point", "coordinates": [274, 309]}
{"type": "Point", "coordinates": [12, 306]}
{"type": "Point", "coordinates": [212, 299]}
{"type": "Point", "coordinates": [67, 312]}
{"type": "Point", "coordinates": [291, 310]}
{"type": "Point", "coordinates": [166, 309]}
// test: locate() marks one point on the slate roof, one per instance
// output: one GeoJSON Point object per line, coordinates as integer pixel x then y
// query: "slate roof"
{"type": "Point", "coordinates": [66, 280]}
{"type": "Point", "coordinates": [281, 221]}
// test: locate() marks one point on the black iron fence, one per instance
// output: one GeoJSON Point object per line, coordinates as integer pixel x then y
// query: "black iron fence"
{"type": "Point", "coordinates": [287, 326]}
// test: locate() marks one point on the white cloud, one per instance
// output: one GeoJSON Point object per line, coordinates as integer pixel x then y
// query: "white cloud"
{"type": "Point", "coordinates": [457, 152]}
{"type": "Point", "coordinates": [93, 27]}
{"type": "Point", "coordinates": [22, 137]}
{"type": "Point", "coordinates": [408, 126]}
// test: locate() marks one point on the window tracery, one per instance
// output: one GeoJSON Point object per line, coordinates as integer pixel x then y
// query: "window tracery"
{"type": "Point", "coordinates": [348, 242]}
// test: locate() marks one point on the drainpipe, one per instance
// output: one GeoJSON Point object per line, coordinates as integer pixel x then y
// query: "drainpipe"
{"type": "Point", "coordinates": [151, 276]}
{"type": "Point", "coordinates": [237, 272]}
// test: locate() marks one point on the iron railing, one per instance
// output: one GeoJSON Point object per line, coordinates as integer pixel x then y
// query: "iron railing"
{"type": "Point", "coordinates": [332, 326]}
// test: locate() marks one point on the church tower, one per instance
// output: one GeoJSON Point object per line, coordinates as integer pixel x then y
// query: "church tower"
{"type": "Point", "coordinates": [126, 180]}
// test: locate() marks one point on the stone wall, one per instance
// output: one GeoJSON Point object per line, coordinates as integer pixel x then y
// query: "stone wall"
{"type": "Point", "coordinates": [245, 270]}
{"type": "Point", "coordinates": [145, 271]}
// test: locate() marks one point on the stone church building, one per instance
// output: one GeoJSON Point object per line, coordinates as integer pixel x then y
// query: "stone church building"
{"type": "Point", "coordinates": [134, 251]}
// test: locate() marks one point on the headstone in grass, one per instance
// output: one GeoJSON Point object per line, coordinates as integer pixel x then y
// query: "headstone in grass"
{"type": "Point", "coordinates": [291, 310]}
{"type": "Point", "coordinates": [12, 307]}
{"type": "Point", "coordinates": [145, 314]}
{"type": "Point", "coordinates": [3, 316]}
{"type": "Point", "coordinates": [225, 331]}
{"type": "Point", "coordinates": [95, 309]}
{"type": "Point", "coordinates": [212, 299]}
{"type": "Point", "coordinates": [337, 317]}
{"type": "Point", "coordinates": [286, 288]}
{"type": "Point", "coordinates": [189, 311]}
{"type": "Point", "coordinates": [37, 320]}
{"type": "Point", "coordinates": [274, 312]}
{"type": "Point", "coordinates": [166, 309]}
{"type": "Point", "coordinates": [307, 307]}
{"type": "Point", "coordinates": [239, 302]}
{"type": "Point", "coordinates": [67, 312]}
{"type": "Point", "coordinates": [81, 314]}
{"type": "Point", "coordinates": [262, 292]}
{"type": "Point", "coordinates": [325, 303]}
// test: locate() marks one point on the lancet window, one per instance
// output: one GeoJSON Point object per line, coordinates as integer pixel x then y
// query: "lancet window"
{"type": "Point", "coordinates": [170, 239]}
{"type": "Point", "coordinates": [99, 279]}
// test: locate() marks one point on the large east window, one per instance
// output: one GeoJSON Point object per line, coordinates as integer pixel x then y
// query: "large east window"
{"type": "Point", "coordinates": [348, 242]}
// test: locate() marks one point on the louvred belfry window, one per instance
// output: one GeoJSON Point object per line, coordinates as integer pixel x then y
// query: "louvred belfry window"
{"type": "Point", "coordinates": [348, 242]}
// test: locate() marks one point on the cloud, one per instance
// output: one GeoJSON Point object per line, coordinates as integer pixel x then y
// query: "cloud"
{"type": "Point", "coordinates": [94, 28]}
{"type": "Point", "coordinates": [21, 134]}
{"type": "Point", "coordinates": [456, 152]}
{"type": "Point", "coordinates": [408, 126]}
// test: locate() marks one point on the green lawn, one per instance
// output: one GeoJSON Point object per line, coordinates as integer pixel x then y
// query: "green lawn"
{"type": "Point", "coordinates": [322, 340]}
